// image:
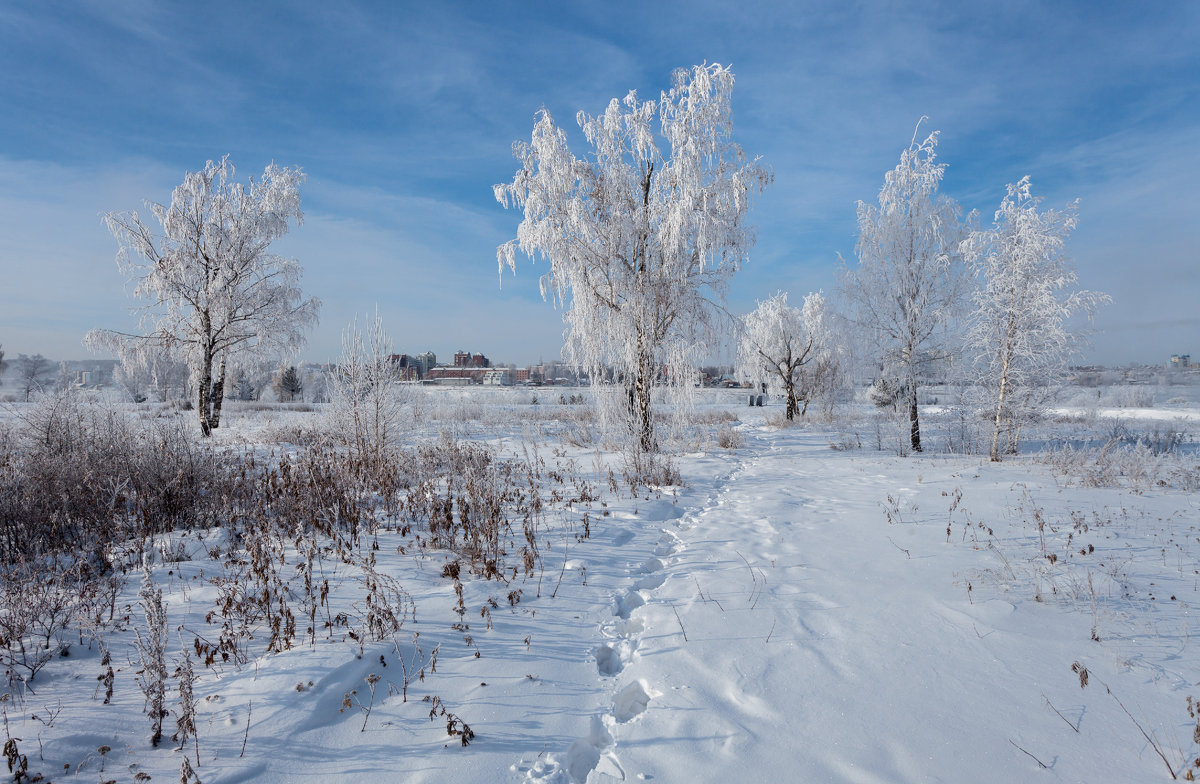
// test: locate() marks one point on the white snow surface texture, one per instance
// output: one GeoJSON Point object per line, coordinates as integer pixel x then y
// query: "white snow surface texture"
{"type": "Point", "coordinates": [792, 613]}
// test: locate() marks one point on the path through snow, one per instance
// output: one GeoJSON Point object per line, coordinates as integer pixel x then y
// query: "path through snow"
{"type": "Point", "coordinates": [785, 629]}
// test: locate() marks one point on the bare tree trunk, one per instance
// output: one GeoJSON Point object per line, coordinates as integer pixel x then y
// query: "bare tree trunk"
{"type": "Point", "coordinates": [218, 396]}
{"type": "Point", "coordinates": [999, 418]}
{"type": "Point", "coordinates": [641, 422]}
{"type": "Point", "coordinates": [645, 424]}
{"type": "Point", "coordinates": [1005, 365]}
{"type": "Point", "coordinates": [790, 388]}
{"type": "Point", "coordinates": [205, 391]}
{"type": "Point", "coordinates": [913, 421]}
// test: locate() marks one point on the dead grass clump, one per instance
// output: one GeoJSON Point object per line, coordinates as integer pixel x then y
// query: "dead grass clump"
{"type": "Point", "coordinates": [844, 442]}
{"type": "Point", "coordinates": [779, 420]}
{"type": "Point", "coordinates": [712, 416]}
{"type": "Point", "coordinates": [729, 437]}
{"type": "Point", "coordinates": [486, 508]}
{"type": "Point", "coordinates": [1137, 466]}
{"type": "Point", "coordinates": [77, 473]}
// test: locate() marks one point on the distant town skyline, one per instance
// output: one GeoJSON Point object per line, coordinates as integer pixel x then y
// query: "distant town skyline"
{"type": "Point", "coordinates": [403, 116]}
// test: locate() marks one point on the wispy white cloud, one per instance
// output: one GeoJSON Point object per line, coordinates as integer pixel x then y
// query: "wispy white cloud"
{"type": "Point", "coordinates": [403, 116]}
{"type": "Point", "coordinates": [380, 249]}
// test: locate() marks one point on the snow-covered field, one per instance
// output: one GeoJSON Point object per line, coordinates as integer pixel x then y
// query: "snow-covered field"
{"type": "Point", "coordinates": [791, 612]}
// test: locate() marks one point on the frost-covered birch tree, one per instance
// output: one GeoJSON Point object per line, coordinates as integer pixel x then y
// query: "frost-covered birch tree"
{"type": "Point", "coordinates": [778, 342]}
{"type": "Point", "coordinates": [1017, 337]}
{"type": "Point", "coordinates": [908, 279]}
{"type": "Point", "coordinates": [212, 291]}
{"type": "Point", "coordinates": [642, 234]}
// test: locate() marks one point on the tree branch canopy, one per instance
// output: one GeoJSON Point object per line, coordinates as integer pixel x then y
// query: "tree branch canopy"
{"type": "Point", "coordinates": [908, 280]}
{"type": "Point", "coordinates": [1017, 339]}
{"type": "Point", "coordinates": [644, 232]}
{"type": "Point", "coordinates": [777, 342]}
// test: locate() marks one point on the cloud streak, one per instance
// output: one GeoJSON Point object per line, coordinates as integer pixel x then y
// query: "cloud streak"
{"type": "Point", "coordinates": [403, 116]}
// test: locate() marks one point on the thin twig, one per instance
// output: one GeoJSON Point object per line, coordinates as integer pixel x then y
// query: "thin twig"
{"type": "Point", "coordinates": [708, 598]}
{"type": "Point", "coordinates": [996, 550]}
{"type": "Point", "coordinates": [898, 547]}
{"type": "Point", "coordinates": [1064, 718]}
{"type": "Point", "coordinates": [763, 578]}
{"type": "Point", "coordinates": [246, 736]}
{"type": "Point", "coordinates": [677, 618]}
{"type": "Point", "coordinates": [753, 577]}
{"type": "Point", "coordinates": [1136, 723]}
{"type": "Point", "coordinates": [564, 571]}
{"type": "Point", "coordinates": [1035, 759]}
{"type": "Point", "coordinates": [772, 631]}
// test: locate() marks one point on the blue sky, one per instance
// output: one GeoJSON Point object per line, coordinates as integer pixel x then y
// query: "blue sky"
{"type": "Point", "coordinates": [403, 116]}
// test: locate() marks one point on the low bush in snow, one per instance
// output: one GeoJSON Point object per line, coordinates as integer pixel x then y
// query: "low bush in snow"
{"type": "Point", "coordinates": [77, 472]}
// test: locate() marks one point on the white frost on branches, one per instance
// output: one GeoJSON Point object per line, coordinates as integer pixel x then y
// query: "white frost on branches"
{"type": "Point", "coordinates": [212, 291]}
{"type": "Point", "coordinates": [1017, 338]}
{"type": "Point", "coordinates": [642, 234]}
{"type": "Point", "coordinates": [365, 401]}
{"type": "Point", "coordinates": [783, 345]}
{"type": "Point", "coordinates": [148, 371]}
{"type": "Point", "coordinates": [908, 279]}
{"type": "Point", "coordinates": [152, 649]}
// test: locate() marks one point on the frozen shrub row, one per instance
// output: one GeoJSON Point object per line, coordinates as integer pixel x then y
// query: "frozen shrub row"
{"type": "Point", "coordinates": [77, 474]}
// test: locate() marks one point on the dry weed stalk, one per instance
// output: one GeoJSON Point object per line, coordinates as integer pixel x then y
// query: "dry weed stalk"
{"type": "Point", "coordinates": [185, 720]}
{"type": "Point", "coordinates": [152, 650]}
{"type": "Point", "coordinates": [1083, 674]}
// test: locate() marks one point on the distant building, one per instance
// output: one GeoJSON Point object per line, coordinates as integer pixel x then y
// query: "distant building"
{"type": "Point", "coordinates": [1181, 360]}
{"type": "Point", "coordinates": [93, 377]}
{"type": "Point", "coordinates": [426, 361]}
{"type": "Point", "coordinates": [413, 367]}
{"type": "Point", "coordinates": [464, 359]}
{"type": "Point", "coordinates": [456, 375]}
{"type": "Point", "coordinates": [529, 375]}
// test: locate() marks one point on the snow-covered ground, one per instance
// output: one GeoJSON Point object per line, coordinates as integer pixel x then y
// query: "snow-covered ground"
{"type": "Point", "coordinates": [792, 612]}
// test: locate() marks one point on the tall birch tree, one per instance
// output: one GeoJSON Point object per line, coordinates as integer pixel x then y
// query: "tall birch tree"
{"type": "Point", "coordinates": [1017, 338]}
{"type": "Point", "coordinates": [908, 280]}
{"type": "Point", "coordinates": [642, 234]}
{"type": "Point", "coordinates": [212, 290]}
